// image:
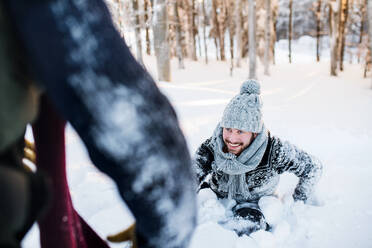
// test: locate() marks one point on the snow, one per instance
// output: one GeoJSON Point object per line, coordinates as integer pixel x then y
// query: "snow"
{"type": "Point", "coordinates": [212, 234]}
{"type": "Point", "coordinates": [272, 209]}
{"type": "Point", "coordinates": [329, 117]}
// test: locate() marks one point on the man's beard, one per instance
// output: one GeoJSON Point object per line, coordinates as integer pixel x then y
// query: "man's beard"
{"type": "Point", "coordinates": [234, 151]}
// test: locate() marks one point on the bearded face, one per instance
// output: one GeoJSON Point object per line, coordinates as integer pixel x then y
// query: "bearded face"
{"type": "Point", "coordinates": [236, 140]}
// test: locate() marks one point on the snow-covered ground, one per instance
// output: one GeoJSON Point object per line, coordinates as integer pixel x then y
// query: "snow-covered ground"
{"type": "Point", "coordinates": [330, 117]}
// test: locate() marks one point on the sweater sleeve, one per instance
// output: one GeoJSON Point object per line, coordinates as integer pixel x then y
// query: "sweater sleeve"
{"type": "Point", "coordinates": [129, 128]}
{"type": "Point", "coordinates": [286, 157]}
{"type": "Point", "coordinates": [203, 160]}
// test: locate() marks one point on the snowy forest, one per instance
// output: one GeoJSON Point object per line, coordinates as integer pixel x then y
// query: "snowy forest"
{"type": "Point", "coordinates": [234, 30]}
{"type": "Point", "coordinates": [313, 61]}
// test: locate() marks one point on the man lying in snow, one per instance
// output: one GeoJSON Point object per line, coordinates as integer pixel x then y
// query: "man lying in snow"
{"type": "Point", "coordinates": [242, 160]}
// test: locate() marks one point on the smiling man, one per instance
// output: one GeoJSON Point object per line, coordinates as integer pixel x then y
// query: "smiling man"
{"type": "Point", "coordinates": [242, 161]}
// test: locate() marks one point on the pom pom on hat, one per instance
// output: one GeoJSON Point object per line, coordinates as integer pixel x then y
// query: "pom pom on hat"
{"type": "Point", "coordinates": [243, 112]}
{"type": "Point", "coordinates": [250, 86]}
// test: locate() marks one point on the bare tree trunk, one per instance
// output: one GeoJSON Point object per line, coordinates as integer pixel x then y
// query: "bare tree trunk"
{"type": "Point", "coordinates": [183, 15]}
{"type": "Point", "coordinates": [217, 28]}
{"type": "Point", "coordinates": [318, 23]}
{"type": "Point", "coordinates": [275, 21]}
{"type": "Point", "coordinates": [366, 67]}
{"type": "Point", "coordinates": [230, 5]}
{"type": "Point", "coordinates": [345, 30]}
{"type": "Point", "coordinates": [222, 26]}
{"type": "Point", "coordinates": [290, 31]}
{"type": "Point", "coordinates": [362, 26]}
{"type": "Point", "coordinates": [267, 37]}
{"type": "Point", "coordinates": [370, 25]}
{"type": "Point", "coordinates": [119, 18]}
{"type": "Point", "coordinates": [362, 20]}
{"type": "Point", "coordinates": [199, 45]}
{"type": "Point", "coordinates": [231, 35]}
{"type": "Point", "coordinates": [333, 21]}
{"type": "Point", "coordinates": [245, 28]}
{"type": "Point", "coordinates": [218, 56]}
{"type": "Point", "coordinates": [181, 64]}
{"type": "Point", "coordinates": [343, 11]}
{"type": "Point", "coordinates": [252, 39]}
{"type": "Point", "coordinates": [197, 25]}
{"type": "Point", "coordinates": [147, 25]}
{"type": "Point", "coordinates": [191, 29]}
{"type": "Point", "coordinates": [204, 31]}
{"type": "Point", "coordinates": [238, 32]}
{"type": "Point", "coordinates": [161, 40]}
{"type": "Point", "coordinates": [137, 30]}
{"type": "Point", "coordinates": [219, 18]}
{"type": "Point", "coordinates": [191, 21]}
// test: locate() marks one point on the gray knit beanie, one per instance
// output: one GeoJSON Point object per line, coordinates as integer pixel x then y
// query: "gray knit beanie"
{"type": "Point", "coordinates": [244, 111]}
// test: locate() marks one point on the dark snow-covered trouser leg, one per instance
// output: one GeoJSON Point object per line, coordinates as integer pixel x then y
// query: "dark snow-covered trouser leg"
{"type": "Point", "coordinates": [251, 212]}
{"type": "Point", "coordinates": [128, 126]}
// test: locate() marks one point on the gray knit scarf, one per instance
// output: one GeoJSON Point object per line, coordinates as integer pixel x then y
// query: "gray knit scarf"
{"type": "Point", "coordinates": [236, 167]}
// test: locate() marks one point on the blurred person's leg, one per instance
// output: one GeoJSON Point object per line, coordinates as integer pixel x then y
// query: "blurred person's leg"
{"type": "Point", "coordinates": [61, 226]}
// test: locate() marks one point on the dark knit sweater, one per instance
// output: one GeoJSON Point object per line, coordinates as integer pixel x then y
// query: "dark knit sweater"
{"type": "Point", "coordinates": [278, 158]}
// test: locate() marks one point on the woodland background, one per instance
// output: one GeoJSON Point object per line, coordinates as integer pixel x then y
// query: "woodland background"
{"type": "Point", "coordinates": [243, 29]}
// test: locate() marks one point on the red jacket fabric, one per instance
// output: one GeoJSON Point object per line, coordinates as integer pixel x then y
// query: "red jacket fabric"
{"type": "Point", "coordinates": [61, 226]}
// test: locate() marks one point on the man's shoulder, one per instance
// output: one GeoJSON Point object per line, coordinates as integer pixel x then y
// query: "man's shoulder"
{"type": "Point", "coordinates": [205, 150]}
{"type": "Point", "coordinates": [277, 145]}
{"type": "Point", "coordinates": [206, 145]}
{"type": "Point", "coordinates": [275, 150]}
{"type": "Point", "coordinates": [275, 140]}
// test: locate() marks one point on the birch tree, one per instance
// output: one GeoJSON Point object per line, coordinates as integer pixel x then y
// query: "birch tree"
{"type": "Point", "coordinates": [183, 16]}
{"type": "Point", "coordinates": [120, 13]}
{"type": "Point", "coordinates": [261, 30]}
{"type": "Point", "coordinates": [267, 37]}
{"type": "Point", "coordinates": [252, 39]}
{"type": "Point", "coordinates": [275, 20]}
{"type": "Point", "coordinates": [118, 17]}
{"type": "Point", "coordinates": [333, 21]}
{"type": "Point", "coordinates": [318, 28]}
{"type": "Point", "coordinates": [245, 28]}
{"type": "Point", "coordinates": [215, 31]}
{"type": "Point", "coordinates": [137, 30]}
{"type": "Point", "coordinates": [193, 29]}
{"type": "Point", "coordinates": [369, 7]}
{"type": "Point", "coordinates": [230, 5]}
{"type": "Point", "coordinates": [147, 6]}
{"type": "Point", "coordinates": [363, 8]}
{"type": "Point", "coordinates": [290, 31]}
{"type": "Point", "coordinates": [364, 5]}
{"type": "Point", "coordinates": [191, 44]}
{"type": "Point", "coordinates": [343, 14]}
{"type": "Point", "coordinates": [177, 24]}
{"type": "Point", "coordinates": [205, 22]}
{"type": "Point", "coordinates": [197, 25]}
{"type": "Point", "coordinates": [238, 32]}
{"type": "Point", "coordinates": [218, 29]}
{"type": "Point", "coordinates": [160, 27]}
